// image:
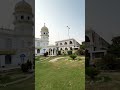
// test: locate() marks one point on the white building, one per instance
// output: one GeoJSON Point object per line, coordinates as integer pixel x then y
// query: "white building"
{"type": "Point", "coordinates": [16, 45]}
{"type": "Point", "coordinates": [95, 44]}
{"type": "Point", "coordinates": [42, 43]}
{"type": "Point", "coordinates": [68, 44]}
{"type": "Point", "coordinates": [61, 47]}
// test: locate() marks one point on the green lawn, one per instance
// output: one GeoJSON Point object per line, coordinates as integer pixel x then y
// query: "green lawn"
{"type": "Point", "coordinates": [24, 85]}
{"type": "Point", "coordinates": [113, 84]}
{"type": "Point", "coordinates": [63, 74]}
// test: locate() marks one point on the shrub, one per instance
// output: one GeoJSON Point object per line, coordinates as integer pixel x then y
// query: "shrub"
{"type": "Point", "coordinates": [45, 54]}
{"type": "Point", "coordinates": [69, 52]}
{"type": "Point", "coordinates": [92, 72]}
{"type": "Point", "coordinates": [29, 64]}
{"type": "Point", "coordinates": [73, 56]}
{"type": "Point", "coordinates": [80, 52]}
{"type": "Point", "coordinates": [24, 67]}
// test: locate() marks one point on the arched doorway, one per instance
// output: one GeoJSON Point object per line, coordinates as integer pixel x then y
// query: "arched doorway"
{"type": "Point", "coordinates": [38, 50]}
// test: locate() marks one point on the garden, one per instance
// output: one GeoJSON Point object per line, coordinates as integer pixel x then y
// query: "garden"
{"type": "Point", "coordinates": [60, 73]}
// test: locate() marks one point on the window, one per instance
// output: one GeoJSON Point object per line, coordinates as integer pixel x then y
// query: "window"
{"type": "Point", "coordinates": [38, 50]}
{"type": "Point", "coordinates": [60, 43]}
{"type": "Point", "coordinates": [44, 32]}
{"type": "Point", "coordinates": [8, 59]}
{"type": "Point", "coordinates": [65, 43]}
{"type": "Point", "coordinates": [28, 18]}
{"type": "Point", "coordinates": [22, 17]}
{"type": "Point", "coordinates": [66, 49]}
{"type": "Point", "coordinates": [87, 39]}
{"type": "Point", "coordinates": [70, 42]}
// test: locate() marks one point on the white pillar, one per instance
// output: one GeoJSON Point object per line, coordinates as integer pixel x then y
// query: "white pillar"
{"type": "Point", "coordinates": [52, 52]}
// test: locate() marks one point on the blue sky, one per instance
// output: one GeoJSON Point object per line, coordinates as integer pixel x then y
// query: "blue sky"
{"type": "Point", "coordinates": [57, 14]}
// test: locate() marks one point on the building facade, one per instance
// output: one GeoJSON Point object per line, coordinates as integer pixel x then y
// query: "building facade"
{"type": "Point", "coordinates": [62, 47]}
{"type": "Point", "coordinates": [16, 46]}
{"type": "Point", "coordinates": [42, 43]}
{"type": "Point", "coordinates": [95, 44]}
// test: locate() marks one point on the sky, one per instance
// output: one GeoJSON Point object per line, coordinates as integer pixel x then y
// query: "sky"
{"type": "Point", "coordinates": [57, 15]}
{"type": "Point", "coordinates": [104, 17]}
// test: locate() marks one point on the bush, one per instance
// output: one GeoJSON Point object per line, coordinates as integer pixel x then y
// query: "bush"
{"type": "Point", "coordinates": [69, 52]}
{"type": "Point", "coordinates": [80, 52]}
{"type": "Point", "coordinates": [45, 54]}
{"type": "Point", "coordinates": [73, 56]}
{"type": "Point", "coordinates": [92, 72]}
{"type": "Point", "coordinates": [24, 67]}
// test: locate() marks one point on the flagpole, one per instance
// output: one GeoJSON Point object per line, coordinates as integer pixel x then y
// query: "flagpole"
{"type": "Point", "coordinates": [68, 32]}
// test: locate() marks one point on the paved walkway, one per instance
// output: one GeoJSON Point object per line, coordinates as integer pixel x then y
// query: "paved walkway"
{"type": "Point", "coordinates": [55, 59]}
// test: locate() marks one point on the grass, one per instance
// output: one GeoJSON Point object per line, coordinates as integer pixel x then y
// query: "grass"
{"type": "Point", "coordinates": [60, 75]}
{"type": "Point", "coordinates": [112, 82]}
{"type": "Point", "coordinates": [25, 85]}
{"type": "Point", "coordinates": [14, 75]}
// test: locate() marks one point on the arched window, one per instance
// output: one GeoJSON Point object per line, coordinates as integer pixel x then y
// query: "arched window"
{"type": "Point", "coordinates": [70, 42]}
{"type": "Point", "coordinates": [61, 49]}
{"type": "Point", "coordinates": [38, 50]}
{"type": "Point", "coordinates": [70, 48]}
{"type": "Point", "coordinates": [22, 17]}
{"type": "Point", "coordinates": [87, 39]}
{"type": "Point", "coordinates": [60, 43]}
{"type": "Point", "coordinates": [28, 18]}
{"type": "Point", "coordinates": [66, 49]}
{"type": "Point", "coordinates": [65, 43]}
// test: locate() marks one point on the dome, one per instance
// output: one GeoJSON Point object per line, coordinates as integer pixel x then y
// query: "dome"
{"type": "Point", "coordinates": [44, 29]}
{"type": "Point", "coordinates": [23, 6]}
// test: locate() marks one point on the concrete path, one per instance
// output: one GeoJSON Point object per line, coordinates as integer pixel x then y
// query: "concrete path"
{"type": "Point", "coordinates": [55, 59]}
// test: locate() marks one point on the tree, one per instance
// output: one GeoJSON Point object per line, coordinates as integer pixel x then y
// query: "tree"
{"type": "Point", "coordinates": [82, 46]}
{"type": "Point", "coordinates": [114, 48]}
{"type": "Point", "coordinates": [73, 56]}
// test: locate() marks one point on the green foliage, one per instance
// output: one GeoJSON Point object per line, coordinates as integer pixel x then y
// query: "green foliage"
{"type": "Point", "coordinates": [69, 52]}
{"type": "Point", "coordinates": [87, 61]}
{"type": "Point", "coordinates": [73, 56]}
{"type": "Point", "coordinates": [24, 67]}
{"type": "Point", "coordinates": [60, 75]}
{"type": "Point", "coordinates": [82, 46]}
{"type": "Point", "coordinates": [114, 48]}
{"type": "Point", "coordinates": [92, 72]}
{"type": "Point", "coordinates": [46, 54]}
